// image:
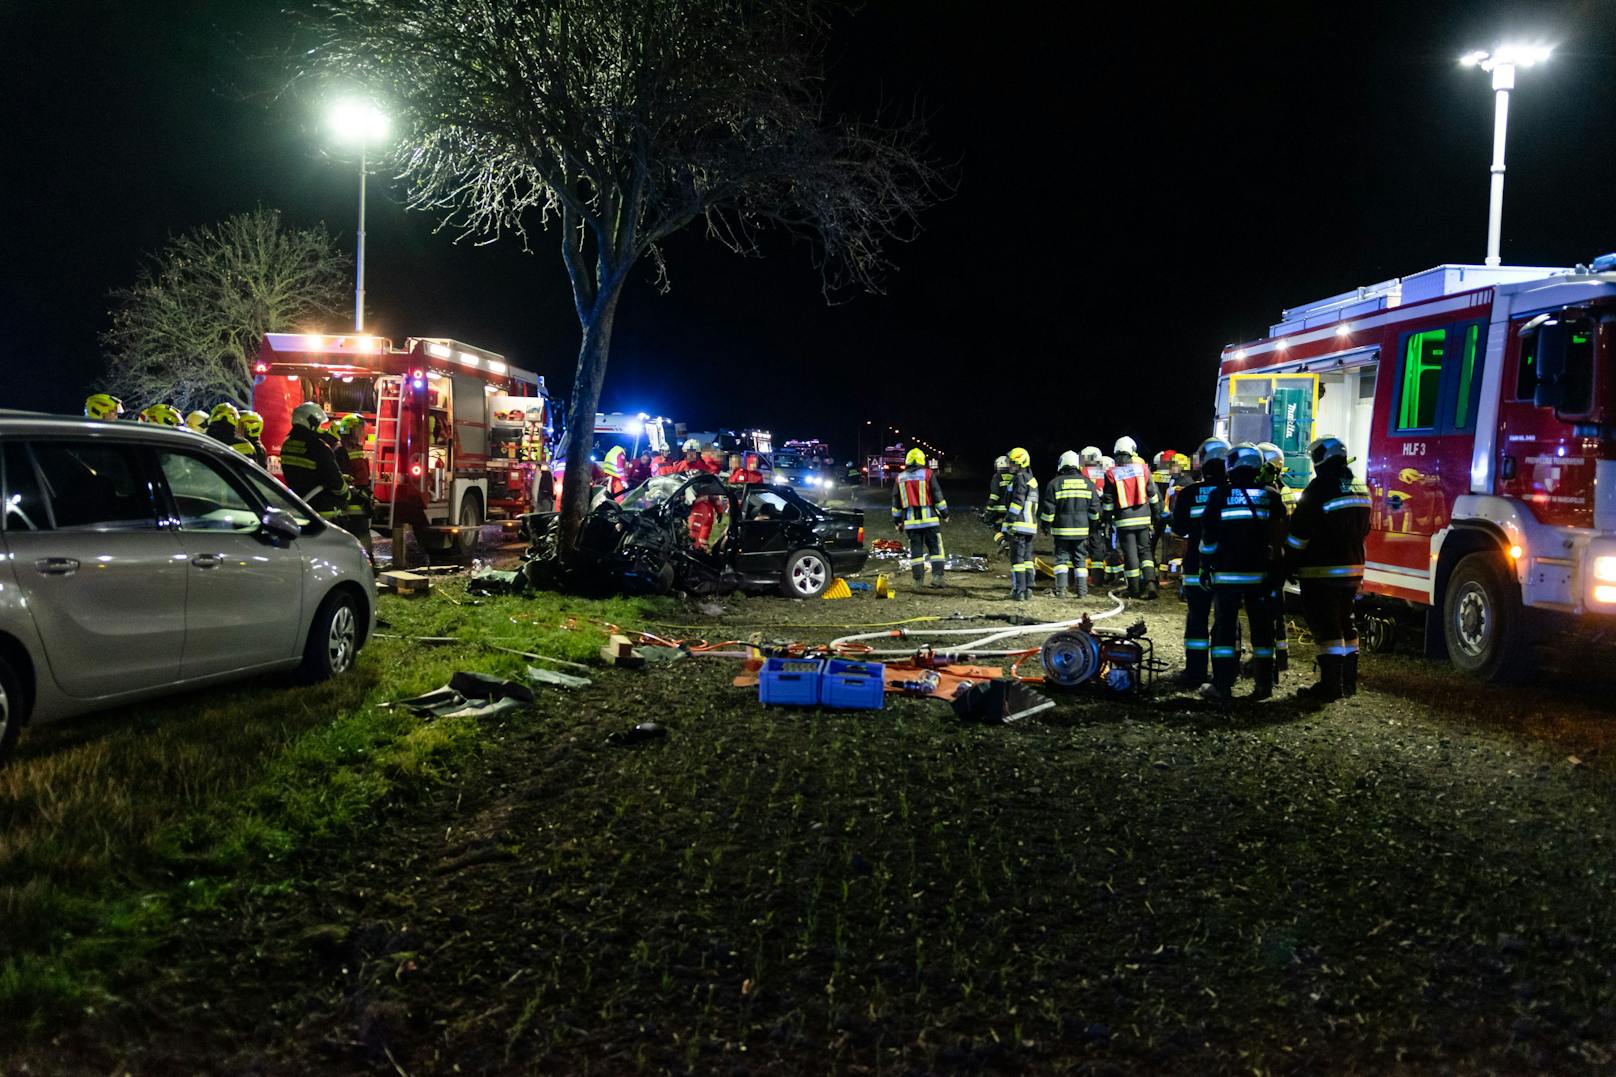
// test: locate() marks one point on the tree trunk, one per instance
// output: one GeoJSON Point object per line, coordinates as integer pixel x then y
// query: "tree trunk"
{"type": "Point", "coordinates": [586, 386]}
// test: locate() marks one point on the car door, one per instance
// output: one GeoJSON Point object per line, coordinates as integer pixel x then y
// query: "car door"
{"type": "Point", "coordinates": [760, 536]}
{"type": "Point", "coordinates": [244, 602]}
{"type": "Point", "coordinates": [105, 585]}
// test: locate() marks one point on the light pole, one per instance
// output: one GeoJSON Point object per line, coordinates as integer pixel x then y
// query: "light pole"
{"type": "Point", "coordinates": [1501, 62]}
{"type": "Point", "coordinates": [362, 123]}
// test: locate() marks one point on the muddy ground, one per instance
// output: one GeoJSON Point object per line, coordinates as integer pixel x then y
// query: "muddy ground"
{"type": "Point", "coordinates": [1417, 880]}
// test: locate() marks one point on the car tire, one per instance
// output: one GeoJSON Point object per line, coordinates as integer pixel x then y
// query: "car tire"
{"type": "Point", "coordinates": [807, 574]}
{"type": "Point", "coordinates": [333, 643]}
{"type": "Point", "coordinates": [463, 547]}
{"type": "Point", "coordinates": [13, 709]}
{"type": "Point", "coordinates": [1483, 622]}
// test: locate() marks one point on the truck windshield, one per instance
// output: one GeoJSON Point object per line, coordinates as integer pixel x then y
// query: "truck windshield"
{"type": "Point", "coordinates": [788, 459]}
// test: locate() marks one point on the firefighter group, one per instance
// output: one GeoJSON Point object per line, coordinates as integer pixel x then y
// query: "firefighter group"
{"type": "Point", "coordinates": [1228, 522]}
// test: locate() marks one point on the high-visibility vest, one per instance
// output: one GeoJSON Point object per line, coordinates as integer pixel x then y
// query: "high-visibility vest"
{"type": "Point", "coordinates": [1131, 485]}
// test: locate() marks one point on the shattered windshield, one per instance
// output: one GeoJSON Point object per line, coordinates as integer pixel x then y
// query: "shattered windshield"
{"type": "Point", "coordinates": [654, 492]}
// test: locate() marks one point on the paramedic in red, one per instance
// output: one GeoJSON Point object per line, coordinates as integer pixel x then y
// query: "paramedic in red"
{"type": "Point", "coordinates": [744, 471]}
{"type": "Point", "coordinates": [1325, 552]}
{"type": "Point", "coordinates": [919, 510]}
{"type": "Point", "coordinates": [1242, 544]}
{"type": "Point", "coordinates": [1132, 504]}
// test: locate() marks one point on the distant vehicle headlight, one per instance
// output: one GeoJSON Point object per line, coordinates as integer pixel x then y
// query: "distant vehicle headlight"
{"type": "Point", "coordinates": [779, 480]}
{"type": "Point", "coordinates": [1605, 568]}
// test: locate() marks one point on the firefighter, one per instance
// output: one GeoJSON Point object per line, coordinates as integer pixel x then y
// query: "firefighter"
{"type": "Point", "coordinates": [310, 466]}
{"type": "Point", "coordinates": [250, 430]}
{"type": "Point", "coordinates": [1242, 544]}
{"type": "Point", "coordinates": [1131, 501]}
{"type": "Point", "coordinates": [1070, 503]}
{"type": "Point", "coordinates": [355, 464]}
{"type": "Point", "coordinates": [998, 489]}
{"type": "Point", "coordinates": [103, 406]}
{"type": "Point", "coordinates": [162, 415]}
{"type": "Point", "coordinates": [692, 460]}
{"type": "Point", "coordinates": [919, 510]}
{"type": "Point", "coordinates": [1020, 525]}
{"type": "Point", "coordinates": [615, 468]}
{"type": "Point", "coordinates": [1167, 477]}
{"type": "Point", "coordinates": [1099, 544]}
{"type": "Point", "coordinates": [1272, 475]}
{"type": "Point", "coordinates": [1188, 509]}
{"type": "Point", "coordinates": [222, 423]}
{"type": "Point", "coordinates": [1325, 552]}
{"type": "Point", "coordinates": [198, 421]}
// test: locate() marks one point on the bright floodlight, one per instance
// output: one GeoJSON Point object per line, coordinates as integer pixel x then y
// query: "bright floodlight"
{"type": "Point", "coordinates": [358, 121]}
{"type": "Point", "coordinates": [1517, 55]}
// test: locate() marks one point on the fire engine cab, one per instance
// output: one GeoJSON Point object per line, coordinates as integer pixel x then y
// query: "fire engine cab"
{"type": "Point", "coordinates": [455, 432]}
{"type": "Point", "coordinates": [1480, 404]}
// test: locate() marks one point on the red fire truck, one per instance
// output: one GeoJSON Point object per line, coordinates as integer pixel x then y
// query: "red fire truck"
{"type": "Point", "coordinates": [1480, 403]}
{"type": "Point", "coordinates": [453, 426]}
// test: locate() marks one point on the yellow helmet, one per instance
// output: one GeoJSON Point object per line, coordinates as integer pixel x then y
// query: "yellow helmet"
{"type": "Point", "coordinates": [162, 414]}
{"type": "Point", "coordinates": [252, 424]}
{"type": "Point", "coordinates": [197, 420]}
{"type": "Point", "coordinates": [915, 458]}
{"type": "Point", "coordinates": [102, 406]}
{"type": "Point", "coordinates": [224, 413]}
{"type": "Point", "coordinates": [349, 423]}
{"type": "Point", "coordinates": [1020, 458]}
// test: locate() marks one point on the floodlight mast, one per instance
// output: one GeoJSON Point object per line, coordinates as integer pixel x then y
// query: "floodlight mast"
{"type": "Point", "coordinates": [362, 123]}
{"type": "Point", "coordinates": [1501, 63]}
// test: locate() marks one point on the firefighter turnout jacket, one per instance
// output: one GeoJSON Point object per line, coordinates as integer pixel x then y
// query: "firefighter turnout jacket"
{"type": "Point", "coordinates": [999, 491]}
{"type": "Point", "coordinates": [1130, 495]}
{"type": "Point", "coordinates": [917, 500]}
{"type": "Point", "coordinates": [312, 472]}
{"type": "Point", "coordinates": [1070, 504]}
{"type": "Point", "coordinates": [1188, 508]}
{"type": "Point", "coordinates": [1242, 535]}
{"type": "Point", "coordinates": [1021, 515]}
{"type": "Point", "coordinates": [1326, 540]}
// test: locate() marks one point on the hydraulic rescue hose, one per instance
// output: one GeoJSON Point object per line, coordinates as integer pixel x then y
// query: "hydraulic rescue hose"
{"type": "Point", "coordinates": [977, 647]}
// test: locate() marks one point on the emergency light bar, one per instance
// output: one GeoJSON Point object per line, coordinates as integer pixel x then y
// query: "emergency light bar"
{"type": "Point", "coordinates": [315, 342]}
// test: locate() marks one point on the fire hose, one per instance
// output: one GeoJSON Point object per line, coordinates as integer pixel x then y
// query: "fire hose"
{"type": "Point", "coordinates": [978, 647]}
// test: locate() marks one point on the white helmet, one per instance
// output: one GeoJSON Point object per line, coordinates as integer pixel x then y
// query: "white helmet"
{"type": "Point", "coordinates": [1002, 464]}
{"type": "Point", "coordinates": [1125, 444]}
{"type": "Point", "coordinates": [691, 445]}
{"type": "Point", "coordinates": [1107, 463]}
{"type": "Point", "coordinates": [309, 414]}
{"type": "Point", "coordinates": [1069, 459]}
{"type": "Point", "coordinates": [1090, 455]}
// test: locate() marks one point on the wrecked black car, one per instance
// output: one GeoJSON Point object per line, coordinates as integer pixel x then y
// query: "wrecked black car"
{"type": "Point", "coordinates": [694, 532]}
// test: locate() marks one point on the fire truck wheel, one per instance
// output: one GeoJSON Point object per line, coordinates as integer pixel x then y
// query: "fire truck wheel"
{"type": "Point", "coordinates": [807, 574]}
{"type": "Point", "coordinates": [464, 545]}
{"type": "Point", "coordinates": [1483, 623]}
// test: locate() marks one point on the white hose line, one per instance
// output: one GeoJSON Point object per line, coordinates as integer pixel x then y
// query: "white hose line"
{"type": "Point", "coordinates": [975, 646]}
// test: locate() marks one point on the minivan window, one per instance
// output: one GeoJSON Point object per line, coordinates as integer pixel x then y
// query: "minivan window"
{"type": "Point", "coordinates": [276, 498]}
{"type": "Point", "coordinates": [95, 486]}
{"type": "Point", "coordinates": [204, 496]}
{"type": "Point", "coordinates": [25, 505]}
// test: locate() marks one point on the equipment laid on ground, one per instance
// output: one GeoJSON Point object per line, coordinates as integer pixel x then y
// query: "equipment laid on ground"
{"type": "Point", "coordinates": [1121, 663]}
{"type": "Point", "coordinates": [813, 682]}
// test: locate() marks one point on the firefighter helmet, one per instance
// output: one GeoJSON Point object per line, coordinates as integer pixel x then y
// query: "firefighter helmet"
{"type": "Point", "coordinates": [1182, 461]}
{"type": "Point", "coordinates": [349, 423]}
{"type": "Point", "coordinates": [197, 420]}
{"type": "Point", "coordinates": [102, 406]}
{"type": "Point", "coordinates": [161, 414]}
{"type": "Point", "coordinates": [252, 424]}
{"type": "Point", "coordinates": [1090, 455]}
{"type": "Point", "coordinates": [1272, 454]}
{"type": "Point", "coordinates": [309, 414]}
{"type": "Point", "coordinates": [1327, 448]}
{"type": "Point", "coordinates": [691, 445]}
{"type": "Point", "coordinates": [1125, 444]}
{"type": "Point", "coordinates": [1001, 463]}
{"type": "Point", "coordinates": [1069, 459]}
{"type": "Point", "coordinates": [224, 413]}
{"type": "Point", "coordinates": [1243, 458]}
{"type": "Point", "coordinates": [1020, 458]}
{"type": "Point", "coordinates": [1213, 449]}
{"type": "Point", "coordinates": [915, 458]}
{"type": "Point", "coordinates": [1107, 463]}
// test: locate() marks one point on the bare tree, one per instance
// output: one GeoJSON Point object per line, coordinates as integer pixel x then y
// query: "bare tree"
{"type": "Point", "coordinates": [188, 329]}
{"type": "Point", "coordinates": [621, 122]}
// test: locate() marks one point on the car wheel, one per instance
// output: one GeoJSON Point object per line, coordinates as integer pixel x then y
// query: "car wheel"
{"type": "Point", "coordinates": [12, 712]}
{"type": "Point", "coordinates": [464, 545]}
{"type": "Point", "coordinates": [1378, 633]}
{"type": "Point", "coordinates": [333, 643]}
{"type": "Point", "coordinates": [807, 574]}
{"type": "Point", "coordinates": [1483, 623]}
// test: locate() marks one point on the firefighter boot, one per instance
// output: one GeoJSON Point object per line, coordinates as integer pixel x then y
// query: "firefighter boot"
{"type": "Point", "coordinates": [1151, 591]}
{"type": "Point", "coordinates": [1328, 688]}
{"type": "Point", "coordinates": [1194, 674]}
{"type": "Point", "coordinates": [919, 573]}
{"type": "Point", "coordinates": [1082, 587]}
{"type": "Point", "coordinates": [1349, 674]}
{"type": "Point", "coordinates": [1225, 671]}
{"type": "Point", "coordinates": [937, 575]}
{"type": "Point", "coordinates": [1262, 673]}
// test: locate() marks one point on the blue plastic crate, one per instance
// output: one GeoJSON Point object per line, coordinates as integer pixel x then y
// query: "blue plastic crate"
{"type": "Point", "coordinates": [790, 682]}
{"type": "Point", "coordinates": [853, 685]}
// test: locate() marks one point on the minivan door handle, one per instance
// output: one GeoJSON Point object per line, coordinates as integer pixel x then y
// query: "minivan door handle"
{"type": "Point", "coordinates": [57, 566]}
{"type": "Point", "coordinates": [207, 560]}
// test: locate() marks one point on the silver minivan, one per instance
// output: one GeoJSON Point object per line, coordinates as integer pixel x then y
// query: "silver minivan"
{"type": "Point", "coordinates": [141, 560]}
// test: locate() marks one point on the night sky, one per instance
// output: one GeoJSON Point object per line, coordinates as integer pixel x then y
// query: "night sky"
{"type": "Point", "coordinates": [1135, 190]}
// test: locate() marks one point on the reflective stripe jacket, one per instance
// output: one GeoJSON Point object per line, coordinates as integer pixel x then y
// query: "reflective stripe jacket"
{"type": "Point", "coordinates": [308, 464]}
{"type": "Point", "coordinates": [1022, 515]}
{"type": "Point", "coordinates": [252, 449]}
{"type": "Point", "coordinates": [917, 501]}
{"type": "Point", "coordinates": [1188, 508]}
{"type": "Point", "coordinates": [999, 491]}
{"type": "Point", "coordinates": [1130, 496]}
{"type": "Point", "coordinates": [1326, 541]}
{"type": "Point", "coordinates": [1070, 502]}
{"type": "Point", "coordinates": [1242, 535]}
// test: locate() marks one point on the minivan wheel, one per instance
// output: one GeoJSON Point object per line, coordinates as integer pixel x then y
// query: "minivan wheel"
{"type": "Point", "coordinates": [807, 574]}
{"type": "Point", "coordinates": [333, 643]}
{"type": "Point", "coordinates": [11, 709]}
{"type": "Point", "coordinates": [1483, 623]}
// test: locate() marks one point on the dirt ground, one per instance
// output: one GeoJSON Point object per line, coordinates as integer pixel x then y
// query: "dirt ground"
{"type": "Point", "coordinates": [1416, 880]}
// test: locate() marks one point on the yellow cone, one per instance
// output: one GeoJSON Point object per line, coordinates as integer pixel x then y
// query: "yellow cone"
{"type": "Point", "coordinates": [838, 589]}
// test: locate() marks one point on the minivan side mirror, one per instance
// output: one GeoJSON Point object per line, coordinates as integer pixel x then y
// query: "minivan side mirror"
{"type": "Point", "coordinates": [280, 526]}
